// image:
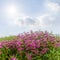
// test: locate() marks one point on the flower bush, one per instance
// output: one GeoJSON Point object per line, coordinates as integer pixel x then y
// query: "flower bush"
{"type": "Point", "coordinates": [31, 46]}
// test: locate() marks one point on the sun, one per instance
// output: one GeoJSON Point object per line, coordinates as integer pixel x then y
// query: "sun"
{"type": "Point", "coordinates": [11, 10]}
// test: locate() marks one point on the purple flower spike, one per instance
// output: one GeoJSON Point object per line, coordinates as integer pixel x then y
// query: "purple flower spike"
{"type": "Point", "coordinates": [13, 58]}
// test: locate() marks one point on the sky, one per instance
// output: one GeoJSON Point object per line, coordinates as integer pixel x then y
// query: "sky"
{"type": "Point", "coordinates": [18, 16]}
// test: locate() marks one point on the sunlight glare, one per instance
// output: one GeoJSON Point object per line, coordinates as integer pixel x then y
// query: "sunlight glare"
{"type": "Point", "coordinates": [11, 10]}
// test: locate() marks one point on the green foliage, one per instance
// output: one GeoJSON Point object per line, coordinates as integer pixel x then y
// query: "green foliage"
{"type": "Point", "coordinates": [7, 38]}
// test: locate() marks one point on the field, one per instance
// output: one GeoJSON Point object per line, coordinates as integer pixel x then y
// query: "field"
{"type": "Point", "coordinates": [7, 38]}
{"type": "Point", "coordinates": [31, 45]}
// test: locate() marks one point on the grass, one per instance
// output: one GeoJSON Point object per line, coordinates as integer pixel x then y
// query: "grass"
{"type": "Point", "coordinates": [7, 38]}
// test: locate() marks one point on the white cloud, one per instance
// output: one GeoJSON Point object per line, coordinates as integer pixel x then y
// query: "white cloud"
{"type": "Point", "coordinates": [25, 21]}
{"type": "Point", "coordinates": [51, 6]}
{"type": "Point", "coordinates": [41, 21]}
{"type": "Point", "coordinates": [45, 20]}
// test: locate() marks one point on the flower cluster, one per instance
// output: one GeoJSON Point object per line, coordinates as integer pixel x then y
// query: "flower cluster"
{"type": "Point", "coordinates": [30, 44]}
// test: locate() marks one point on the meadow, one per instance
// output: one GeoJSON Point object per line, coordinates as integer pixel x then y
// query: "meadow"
{"type": "Point", "coordinates": [31, 45]}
